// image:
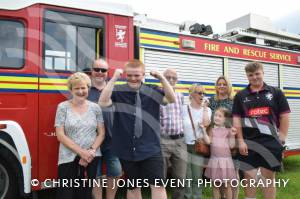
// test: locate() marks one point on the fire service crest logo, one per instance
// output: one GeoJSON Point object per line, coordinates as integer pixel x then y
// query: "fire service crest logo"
{"type": "Point", "coordinates": [120, 36]}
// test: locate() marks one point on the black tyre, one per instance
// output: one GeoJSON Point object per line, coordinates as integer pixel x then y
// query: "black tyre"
{"type": "Point", "coordinates": [8, 181]}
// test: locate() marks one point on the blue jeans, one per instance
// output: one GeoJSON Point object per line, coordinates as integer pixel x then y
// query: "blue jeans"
{"type": "Point", "coordinates": [113, 165]}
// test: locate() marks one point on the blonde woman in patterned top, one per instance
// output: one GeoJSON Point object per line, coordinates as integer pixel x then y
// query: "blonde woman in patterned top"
{"type": "Point", "coordinates": [80, 131]}
{"type": "Point", "coordinates": [223, 97]}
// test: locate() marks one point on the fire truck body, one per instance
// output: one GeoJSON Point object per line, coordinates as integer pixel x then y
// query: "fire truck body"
{"type": "Point", "coordinates": [200, 59]}
{"type": "Point", "coordinates": [43, 42]}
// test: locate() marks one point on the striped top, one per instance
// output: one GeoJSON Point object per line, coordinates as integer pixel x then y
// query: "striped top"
{"type": "Point", "coordinates": [171, 117]}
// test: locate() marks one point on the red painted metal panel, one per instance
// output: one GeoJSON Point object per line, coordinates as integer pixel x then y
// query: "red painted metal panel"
{"type": "Point", "coordinates": [115, 53]}
{"type": "Point", "coordinates": [35, 111]}
{"type": "Point", "coordinates": [120, 40]}
{"type": "Point", "coordinates": [21, 107]}
{"type": "Point", "coordinates": [221, 48]}
{"type": "Point", "coordinates": [291, 152]}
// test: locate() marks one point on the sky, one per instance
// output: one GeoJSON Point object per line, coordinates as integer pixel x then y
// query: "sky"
{"type": "Point", "coordinates": [285, 14]}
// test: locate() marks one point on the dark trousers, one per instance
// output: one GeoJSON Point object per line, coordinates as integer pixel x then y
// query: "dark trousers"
{"type": "Point", "coordinates": [72, 171]}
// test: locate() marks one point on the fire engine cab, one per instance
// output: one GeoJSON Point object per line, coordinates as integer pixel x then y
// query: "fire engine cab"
{"type": "Point", "coordinates": [42, 42]}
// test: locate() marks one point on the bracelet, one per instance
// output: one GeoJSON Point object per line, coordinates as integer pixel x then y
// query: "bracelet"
{"type": "Point", "coordinates": [91, 148]}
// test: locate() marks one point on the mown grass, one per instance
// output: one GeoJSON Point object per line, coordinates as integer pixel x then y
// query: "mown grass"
{"type": "Point", "coordinates": [291, 172]}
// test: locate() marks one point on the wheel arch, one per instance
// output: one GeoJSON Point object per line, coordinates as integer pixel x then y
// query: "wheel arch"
{"type": "Point", "coordinates": [15, 150]}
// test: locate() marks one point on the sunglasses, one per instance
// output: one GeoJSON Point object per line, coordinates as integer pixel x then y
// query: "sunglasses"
{"type": "Point", "coordinates": [171, 78]}
{"type": "Point", "coordinates": [200, 93]}
{"type": "Point", "coordinates": [103, 70]}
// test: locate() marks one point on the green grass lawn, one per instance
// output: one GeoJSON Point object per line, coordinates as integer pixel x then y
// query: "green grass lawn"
{"type": "Point", "coordinates": [291, 191]}
{"type": "Point", "coordinates": [291, 172]}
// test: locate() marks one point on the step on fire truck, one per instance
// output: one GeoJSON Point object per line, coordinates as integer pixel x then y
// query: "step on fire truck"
{"type": "Point", "coordinates": [42, 42]}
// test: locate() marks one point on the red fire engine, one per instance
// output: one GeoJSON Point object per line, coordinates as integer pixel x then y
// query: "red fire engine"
{"type": "Point", "coordinates": [43, 42]}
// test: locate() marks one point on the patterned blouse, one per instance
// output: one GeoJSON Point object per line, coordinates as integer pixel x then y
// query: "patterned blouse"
{"type": "Point", "coordinates": [214, 104]}
{"type": "Point", "coordinates": [81, 129]}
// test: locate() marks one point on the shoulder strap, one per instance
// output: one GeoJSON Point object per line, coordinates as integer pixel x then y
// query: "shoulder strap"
{"type": "Point", "coordinates": [192, 122]}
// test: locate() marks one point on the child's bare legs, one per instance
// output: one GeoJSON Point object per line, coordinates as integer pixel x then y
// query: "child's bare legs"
{"type": "Point", "coordinates": [216, 193]}
{"type": "Point", "coordinates": [235, 189]}
{"type": "Point", "coordinates": [222, 192]}
{"type": "Point", "coordinates": [228, 192]}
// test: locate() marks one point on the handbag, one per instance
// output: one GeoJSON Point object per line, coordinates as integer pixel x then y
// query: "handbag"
{"type": "Point", "coordinates": [200, 146]}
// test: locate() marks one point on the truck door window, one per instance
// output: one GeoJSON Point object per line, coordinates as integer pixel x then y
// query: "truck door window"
{"type": "Point", "coordinates": [60, 47]}
{"type": "Point", "coordinates": [87, 47]}
{"type": "Point", "coordinates": [12, 36]}
{"type": "Point", "coordinates": [70, 41]}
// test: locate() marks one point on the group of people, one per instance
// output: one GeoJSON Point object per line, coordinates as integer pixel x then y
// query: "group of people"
{"type": "Point", "coordinates": [148, 133]}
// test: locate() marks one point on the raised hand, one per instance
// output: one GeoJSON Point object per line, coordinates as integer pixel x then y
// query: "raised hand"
{"type": "Point", "coordinates": [233, 131]}
{"type": "Point", "coordinates": [117, 74]}
{"type": "Point", "coordinates": [156, 75]}
{"type": "Point", "coordinates": [201, 126]}
{"type": "Point", "coordinates": [205, 102]}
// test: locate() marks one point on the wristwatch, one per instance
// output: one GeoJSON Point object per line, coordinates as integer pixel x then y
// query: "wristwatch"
{"type": "Point", "coordinates": [91, 148]}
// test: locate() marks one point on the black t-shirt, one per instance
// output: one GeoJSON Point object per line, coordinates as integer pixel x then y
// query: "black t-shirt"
{"type": "Point", "coordinates": [260, 112]}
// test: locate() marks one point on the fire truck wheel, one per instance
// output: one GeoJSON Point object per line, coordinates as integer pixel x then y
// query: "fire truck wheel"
{"type": "Point", "coordinates": [8, 181]}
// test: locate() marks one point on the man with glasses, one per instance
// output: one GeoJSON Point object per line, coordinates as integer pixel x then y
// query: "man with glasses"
{"type": "Point", "coordinates": [98, 75]}
{"type": "Point", "coordinates": [172, 140]}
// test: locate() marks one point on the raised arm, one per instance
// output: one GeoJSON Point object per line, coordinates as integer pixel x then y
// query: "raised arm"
{"type": "Point", "coordinates": [206, 137]}
{"type": "Point", "coordinates": [169, 91]}
{"type": "Point", "coordinates": [206, 114]}
{"type": "Point", "coordinates": [105, 97]}
{"type": "Point", "coordinates": [232, 134]}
